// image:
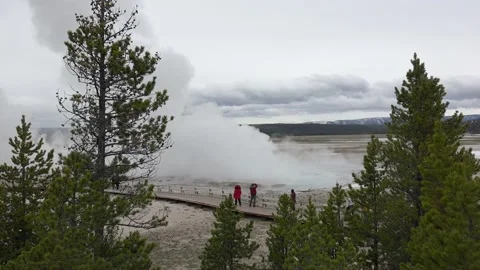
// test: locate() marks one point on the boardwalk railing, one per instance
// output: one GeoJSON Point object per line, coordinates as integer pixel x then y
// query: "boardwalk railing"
{"type": "Point", "coordinates": [198, 199]}
{"type": "Point", "coordinates": [263, 200]}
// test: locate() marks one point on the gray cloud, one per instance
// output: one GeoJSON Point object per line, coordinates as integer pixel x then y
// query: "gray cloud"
{"type": "Point", "coordinates": [319, 94]}
{"type": "Point", "coordinates": [463, 88]}
{"type": "Point", "coordinates": [298, 90]}
{"type": "Point", "coordinates": [315, 94]}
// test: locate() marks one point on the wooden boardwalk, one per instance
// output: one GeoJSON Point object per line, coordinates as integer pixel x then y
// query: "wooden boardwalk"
{"type": "Point", "coordinates": [207, 201]}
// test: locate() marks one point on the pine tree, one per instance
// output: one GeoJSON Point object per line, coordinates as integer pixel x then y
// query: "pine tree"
{"type": "Point", "coordinates": [419, 105]}
{"type": "Point", "coordinates": [311, 243]}
{"type": "Point", "coordinates": [333, 218]}
{"type": "Point", "coordinates": [332, 215]}
{"type": "Point", "coordinates": [58, 251]}
{"type": "Point", "coordinates": [229, 244]}
{"type": "Point", "coordinates": [67, 222]}
{"type": "Point", "coordinates": [447, 237]}
{"type": "Point", "coordinates": [22, 186]}
{"type": "Point", "coordinates": [369, 200]}
{"type": "Point", "coordinates": [395, 234]}
{"type": "Point", "coordinates": [280, 235]}
{"type": "Point", "coordinates": [112, 120]}
{"type": "Point", "coordinates": [444, 155]}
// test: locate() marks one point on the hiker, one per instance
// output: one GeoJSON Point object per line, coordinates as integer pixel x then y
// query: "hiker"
{"type": "Point", "coordinates": [116, 182]}
{"type": "Point", "coordinates": [253, 194]}
{"type": "Point", "coordinates": [293, 196]}
{"type": "Point", "coordinates": [237, 195]}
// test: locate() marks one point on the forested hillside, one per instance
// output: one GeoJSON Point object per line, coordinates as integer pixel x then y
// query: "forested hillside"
{"type": "Point", "coordinates": [474, 126]}
{"type": "Point", "coordinates": [280, 130]}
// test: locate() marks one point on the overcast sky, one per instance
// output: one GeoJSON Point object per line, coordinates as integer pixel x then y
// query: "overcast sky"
{"type": "Point", "coordinates": [266, 61]}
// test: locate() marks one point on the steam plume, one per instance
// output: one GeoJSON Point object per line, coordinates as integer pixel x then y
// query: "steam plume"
{"type": "Point", "coordinates": [206, 144]}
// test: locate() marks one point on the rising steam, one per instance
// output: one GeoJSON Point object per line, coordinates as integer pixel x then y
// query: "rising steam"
{"type": "Point", "coordinates": [206, 144]}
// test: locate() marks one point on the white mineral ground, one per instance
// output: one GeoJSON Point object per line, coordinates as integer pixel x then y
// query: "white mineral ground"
{"type": "Point", "coordinates": [180, 243]}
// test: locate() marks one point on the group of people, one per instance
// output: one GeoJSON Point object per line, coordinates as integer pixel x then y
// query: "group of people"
{"type": "Point", "coordinates": [237, 195]}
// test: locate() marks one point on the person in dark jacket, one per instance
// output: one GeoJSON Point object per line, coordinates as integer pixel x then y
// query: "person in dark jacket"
{"type": "Point", "coordinates": [237, 195]}
{"type": "Point", "coordinates": [253, 194]}
{"type": "Point", "coordinates": [293, 196]}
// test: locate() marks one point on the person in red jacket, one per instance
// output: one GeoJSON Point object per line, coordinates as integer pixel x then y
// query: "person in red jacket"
{"type": "Point", "coordinates": [237, 195]}
{"type": "Point", "coordinates": [253, 194]}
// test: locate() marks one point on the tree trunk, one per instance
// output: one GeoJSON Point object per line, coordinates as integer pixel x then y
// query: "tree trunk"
{"type": "Point", "coordinates": [101, 90]}
{"type": "Point", "coordinates": [375, 253]}
{"type": "Point", "coordinates": [416, 200]}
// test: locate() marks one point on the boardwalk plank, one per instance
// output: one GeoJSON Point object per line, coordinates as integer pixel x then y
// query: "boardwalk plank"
{"type": "Point", "coordinates": [207, 201]}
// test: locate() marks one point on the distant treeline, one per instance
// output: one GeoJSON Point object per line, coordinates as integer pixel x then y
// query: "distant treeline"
{"type": "Point", "coordinates": [281, 130]}
{"type": "Point", "coordinates": [310, 129]}
{"type": "Point", "coordinates": [474, 126]}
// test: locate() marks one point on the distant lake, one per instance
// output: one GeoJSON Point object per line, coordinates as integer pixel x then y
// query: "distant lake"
{"type": "Point", "coordinates": [338, 156]}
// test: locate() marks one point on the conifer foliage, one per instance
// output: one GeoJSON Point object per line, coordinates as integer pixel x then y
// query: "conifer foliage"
{"type": "Point", "coordinates": [116, 137]}
{"type": "Point", "coordinates": [333, 217]}
{"type": "Point", "coordinates": [368, 211]}
{"type": "Point", "coordinates": [419, 105]}
{"type": "Point", "coordinates": [448, 235]}
{"type": "Point", "coordinates": [112, 119]}
{"type": "Point", "coordinates": [22, 186]}
{"type": "Point", "coordinates": [310, 243]}
{"type": "Point", "coordinates": [229, 243]}
{"type": "Point", "coordinates": [281, 234]}
{"type": "Point", "coordinates": [67, 222]}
